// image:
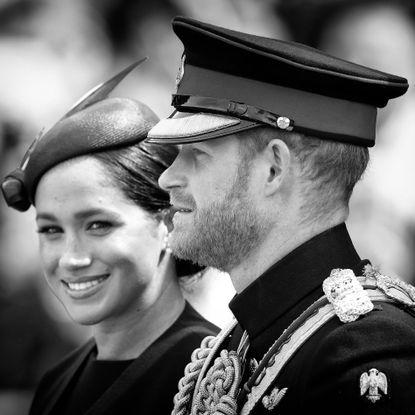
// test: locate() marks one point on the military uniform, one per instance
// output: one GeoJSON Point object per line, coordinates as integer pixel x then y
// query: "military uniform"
{"type": "Point", "coordinates": [321, 331]}
{"type": "Point", "coordinates": [363, 366]}
{"type": "Point", "coordinates": [324, 375]}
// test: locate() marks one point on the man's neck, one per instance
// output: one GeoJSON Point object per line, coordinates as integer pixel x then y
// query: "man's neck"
{"type": "Point", "coordinates": [278, 244]}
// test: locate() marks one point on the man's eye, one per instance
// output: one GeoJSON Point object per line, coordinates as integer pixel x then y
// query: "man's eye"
{"type": "Point", "coordinates": [198, 152]}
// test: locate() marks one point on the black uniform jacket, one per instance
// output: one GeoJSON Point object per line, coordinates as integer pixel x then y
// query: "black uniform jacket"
{"type": "Point", "coordinates": [323, 377]}
{"type": "Point", "coordinates": [145, 385]}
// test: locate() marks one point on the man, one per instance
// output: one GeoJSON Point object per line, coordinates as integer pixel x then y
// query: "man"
{"type": "Point", "coordinates": [274, 136]}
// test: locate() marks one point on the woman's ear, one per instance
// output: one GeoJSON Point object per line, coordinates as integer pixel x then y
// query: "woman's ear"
{"type": "Point", "coordinates": [278, 161]}
{"type": "Point", "coordinates": [166, 217]}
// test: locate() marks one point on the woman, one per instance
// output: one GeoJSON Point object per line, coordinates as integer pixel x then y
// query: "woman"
{"type": "Point", "coordinates": [102, 223]}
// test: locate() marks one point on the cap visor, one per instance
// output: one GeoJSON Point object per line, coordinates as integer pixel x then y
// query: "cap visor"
{"type": "Point", "coordinates": [189, 128]}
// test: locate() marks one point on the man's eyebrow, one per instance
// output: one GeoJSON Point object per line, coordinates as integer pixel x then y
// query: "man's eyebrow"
{"type": "Point", "coordinates": [203, 145]}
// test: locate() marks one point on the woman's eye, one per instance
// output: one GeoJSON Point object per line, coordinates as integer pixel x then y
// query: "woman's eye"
{"type": "Point", "coordinates": [99, 226]}
{"type": "Point", "coordinates": [49, 230]}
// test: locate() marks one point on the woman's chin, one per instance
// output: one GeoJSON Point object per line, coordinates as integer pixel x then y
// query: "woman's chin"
{"type": "Point", "coordinates": [85, 316]}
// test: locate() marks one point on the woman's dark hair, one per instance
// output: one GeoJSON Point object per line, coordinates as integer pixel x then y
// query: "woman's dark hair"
{"type": "Point", "coordinates": [136, 170]}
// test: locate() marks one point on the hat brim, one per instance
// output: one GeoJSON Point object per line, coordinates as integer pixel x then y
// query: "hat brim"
{"type": "Point", "coordinates": [184, 127]}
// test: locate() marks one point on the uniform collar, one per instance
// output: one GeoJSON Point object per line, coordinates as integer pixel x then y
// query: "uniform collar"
{"type": "Point", "coordinates": [294, 281]}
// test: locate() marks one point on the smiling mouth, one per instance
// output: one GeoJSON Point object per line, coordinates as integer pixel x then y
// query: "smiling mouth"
{"type": "Point", "coordinates": [84, 285]}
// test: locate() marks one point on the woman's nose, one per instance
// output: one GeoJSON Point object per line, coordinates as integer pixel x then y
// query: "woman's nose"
{"type": "Point", "coordinates": [74, 256]}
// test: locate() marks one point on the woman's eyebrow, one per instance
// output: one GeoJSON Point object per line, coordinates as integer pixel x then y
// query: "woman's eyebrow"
{"type": "Point", "coordinates": [89, 212]}
{"type": "Point", "coordinates": [45, 216]}
{"type": "Point", "coordinates": [78, 215]}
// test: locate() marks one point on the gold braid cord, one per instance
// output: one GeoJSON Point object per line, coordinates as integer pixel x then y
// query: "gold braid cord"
{"type": "Point", "coordinates": [218, 390]}
{"type": "Point", "coordinates": [183, 398]}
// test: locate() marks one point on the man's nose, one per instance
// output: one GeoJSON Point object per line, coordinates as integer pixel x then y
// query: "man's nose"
{"type": "Point", "coordinates": [173, 176]}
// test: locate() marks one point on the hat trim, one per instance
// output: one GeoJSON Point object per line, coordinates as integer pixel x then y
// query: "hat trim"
{"type": "Point", "coordinates": [243, 126]}
{"type": "Point", "coordinates": [190, 126]}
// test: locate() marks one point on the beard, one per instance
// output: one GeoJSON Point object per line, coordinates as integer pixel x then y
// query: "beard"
{"type": "Point", "coordinates": [224, 233]}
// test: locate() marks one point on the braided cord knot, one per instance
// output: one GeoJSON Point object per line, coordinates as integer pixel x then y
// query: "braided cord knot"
{"type": "Point", "coordinates": [218, 390]}
{"type": "Point", "coordinates": [187, 383]}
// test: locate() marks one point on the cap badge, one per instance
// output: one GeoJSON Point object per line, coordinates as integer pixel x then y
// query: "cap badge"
{"type": "Point", "coordinates": [180, 73]}
{"type": "Point", "coordinates": [371, 383]}
{"type": "Point", "coordinates": [274, 398]}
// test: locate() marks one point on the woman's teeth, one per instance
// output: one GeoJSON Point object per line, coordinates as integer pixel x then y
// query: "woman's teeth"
{"type": "Point", "coordinates": [79, 286]}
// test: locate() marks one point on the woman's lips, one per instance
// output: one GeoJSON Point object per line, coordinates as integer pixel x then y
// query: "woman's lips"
{"type": "Point", "coordinates": [84, 285]}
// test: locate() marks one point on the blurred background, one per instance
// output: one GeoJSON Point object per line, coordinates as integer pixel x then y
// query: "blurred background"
{"type": "Point", "coordinates": [53, 51]}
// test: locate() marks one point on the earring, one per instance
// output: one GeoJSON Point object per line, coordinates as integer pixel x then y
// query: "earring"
{"type": "Point", "coordinates": [166, 243]}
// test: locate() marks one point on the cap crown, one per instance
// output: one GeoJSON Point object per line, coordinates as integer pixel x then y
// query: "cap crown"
{"type": "Point", "coordinates": [284, 63]}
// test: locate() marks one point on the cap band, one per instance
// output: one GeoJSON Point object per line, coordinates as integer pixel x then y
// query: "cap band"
{"type": "Point", "coordinates": [232, 108]}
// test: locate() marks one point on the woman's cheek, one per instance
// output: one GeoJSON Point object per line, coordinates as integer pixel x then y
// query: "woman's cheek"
{"type": "Point", "coordinates": [49, 256]}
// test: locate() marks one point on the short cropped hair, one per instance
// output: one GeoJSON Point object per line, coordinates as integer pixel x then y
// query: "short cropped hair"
{"type": "Point", "coordinates": [331, 169]}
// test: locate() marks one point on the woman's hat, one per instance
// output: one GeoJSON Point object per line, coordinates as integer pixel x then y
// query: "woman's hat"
{"type": "Point", "coordinates": [93, 124]}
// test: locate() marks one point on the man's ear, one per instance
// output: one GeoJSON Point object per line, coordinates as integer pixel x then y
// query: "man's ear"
{"type": "Point", "coordinates": [278, 160]}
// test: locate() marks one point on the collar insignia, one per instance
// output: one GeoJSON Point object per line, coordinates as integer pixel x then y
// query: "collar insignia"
{"type": "Point", "coordinates": [371, 383]}
{"type": "Point", "coordinates": [253, 365]}
{"type": "Point", "coordinates": [274, 398]}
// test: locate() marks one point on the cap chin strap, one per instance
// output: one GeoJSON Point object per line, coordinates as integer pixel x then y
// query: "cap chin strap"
{"type": "Point", "coordinates": [190, 103]}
